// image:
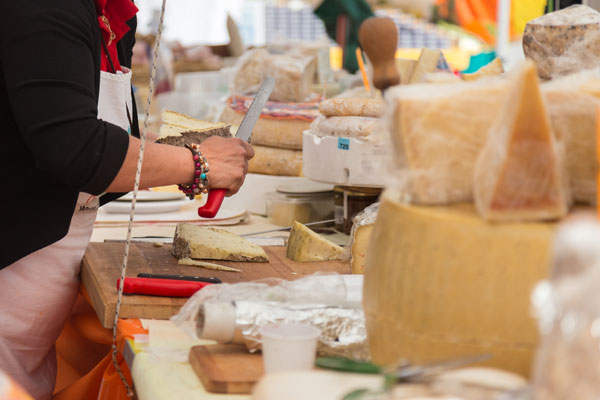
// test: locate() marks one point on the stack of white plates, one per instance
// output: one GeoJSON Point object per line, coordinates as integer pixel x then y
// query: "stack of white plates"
{"type": "Point", "coordinates": [148, 202]}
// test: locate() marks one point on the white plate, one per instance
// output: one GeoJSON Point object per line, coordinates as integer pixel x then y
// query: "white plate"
{"type": "Point", "coordinates": [148, 207]}
{"type": "Point", "coordinates": [149, 195]}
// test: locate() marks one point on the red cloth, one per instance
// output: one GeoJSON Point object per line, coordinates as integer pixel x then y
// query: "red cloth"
{"type": "Point", "coordinates": [115, 14]}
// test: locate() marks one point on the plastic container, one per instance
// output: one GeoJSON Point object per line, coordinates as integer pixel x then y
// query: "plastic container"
{"type": "Point", "coordinates": [287, 205]}
{"type": "Point", "coordinates": [289, 347]}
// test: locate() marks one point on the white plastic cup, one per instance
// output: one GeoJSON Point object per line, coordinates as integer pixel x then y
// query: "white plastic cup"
{"type": "Point", "coordinates": [289, 347]}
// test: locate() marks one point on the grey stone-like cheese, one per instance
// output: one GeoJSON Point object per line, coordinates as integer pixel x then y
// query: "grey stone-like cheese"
{"type": "Point", "coordinates": [563, 42]}
{"type": "Point", "coordinates": [192, 241]}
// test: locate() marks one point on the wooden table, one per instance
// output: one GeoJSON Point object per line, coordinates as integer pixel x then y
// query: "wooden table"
{"type": "Point", "coordinates": [102, 264]}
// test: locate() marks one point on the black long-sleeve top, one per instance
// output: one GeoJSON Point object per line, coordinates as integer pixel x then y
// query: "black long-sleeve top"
{"type": "Point", "coordinates": [52, 145]}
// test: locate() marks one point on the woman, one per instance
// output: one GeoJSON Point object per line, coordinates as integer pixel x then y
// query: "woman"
{"type": "Point", "coordinates": [65, 142]}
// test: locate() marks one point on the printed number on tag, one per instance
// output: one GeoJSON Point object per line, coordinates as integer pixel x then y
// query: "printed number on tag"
{"type": "Point", "coordinates": [343, 143]}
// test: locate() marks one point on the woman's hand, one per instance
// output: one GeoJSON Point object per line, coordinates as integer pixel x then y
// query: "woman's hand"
{"type": "Point", "coordinates": [227, 162]}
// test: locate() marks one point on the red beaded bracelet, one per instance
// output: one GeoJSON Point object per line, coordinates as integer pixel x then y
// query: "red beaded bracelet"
{"type": "Point", "coordinates": [200, 182]}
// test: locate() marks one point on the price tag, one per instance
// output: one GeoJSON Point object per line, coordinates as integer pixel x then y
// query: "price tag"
{"type": "Point", "coordinates": [343, 143]}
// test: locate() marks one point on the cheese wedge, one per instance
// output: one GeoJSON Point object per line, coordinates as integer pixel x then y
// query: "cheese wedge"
{"type": "Point", "coordinates": [358, 250]}
{"type": "Point", "coordinates": [405, 67]}
{"type": "Point", "coordinates": [519, 175]}
{"type": "Point", "coordinates": [180, 129]}
{"type": "Point", "coordinates": [428, 61]}
{"type": "Point", "coordinates": [192, 241]}
{"type": "Point", "coordinates": [305, 245]}
{"type": "Point", "coordinates": [493, 68]}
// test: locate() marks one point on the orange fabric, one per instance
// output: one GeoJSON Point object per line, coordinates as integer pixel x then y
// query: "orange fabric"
{"type": "Point", "coordinates": [85, 368]}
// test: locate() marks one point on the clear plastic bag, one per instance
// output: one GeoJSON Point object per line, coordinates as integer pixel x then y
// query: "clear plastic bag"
{"type": "Point", "coordinates": [350, 126]}
{"type": "Point", "coordinates": [567, 364]}
{"type": "Point", "coordinates": [235, 312]}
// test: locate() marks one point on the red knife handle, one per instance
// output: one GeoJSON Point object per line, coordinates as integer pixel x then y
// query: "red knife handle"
{"type": "Point", "coordinates": [161, 287]}
{"type": "Point", "coordinates": [213, 203]}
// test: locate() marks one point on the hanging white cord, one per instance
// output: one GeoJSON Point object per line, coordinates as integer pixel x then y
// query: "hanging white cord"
{"type": "Point", "coordinates": [133, 201]}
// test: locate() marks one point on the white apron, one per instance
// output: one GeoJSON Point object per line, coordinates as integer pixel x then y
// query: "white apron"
{"type": "Point", "coordinates": [38, 291]}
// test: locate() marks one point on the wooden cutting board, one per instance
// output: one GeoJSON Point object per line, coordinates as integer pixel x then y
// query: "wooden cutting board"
{"type": "Point", "coordinates": [101, 269]}
{"type": "Point", "coordinates": [226, 368]}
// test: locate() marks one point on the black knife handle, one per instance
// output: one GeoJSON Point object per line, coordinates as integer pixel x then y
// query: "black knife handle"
{"type": "Point", "coordinates": [180, 277]}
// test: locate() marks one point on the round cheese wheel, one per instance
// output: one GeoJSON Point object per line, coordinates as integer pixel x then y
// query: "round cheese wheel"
{"type": "Point", "coordinates": [440, 282]}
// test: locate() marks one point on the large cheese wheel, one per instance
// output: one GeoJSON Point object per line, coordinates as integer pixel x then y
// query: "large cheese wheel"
{"type": "Point", "coordinates": [281, 133]}
{"type": "Point", "coordinates": [440, 282]}
{"type": "Point", "coordinates": [272, 161]}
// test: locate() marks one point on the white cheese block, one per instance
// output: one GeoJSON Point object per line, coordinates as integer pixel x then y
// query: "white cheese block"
{"type": "Point", "coordinates": [192, 241]}
{"type": "Point", "coordinates": [305, 245]}
{"type": "Point", "coordinates": [564, 41]}
{"type": "Point", "coordinates": [440, 282]}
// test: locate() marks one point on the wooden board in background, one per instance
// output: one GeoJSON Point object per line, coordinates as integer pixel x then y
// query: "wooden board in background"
{"type": "Point", "coordinates": [101, 269]}
{"type": "Point", "coordinates": [226, 368]}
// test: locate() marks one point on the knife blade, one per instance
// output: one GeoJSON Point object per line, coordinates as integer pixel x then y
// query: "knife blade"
{"type": "Point", "coordinates": [216, 196]}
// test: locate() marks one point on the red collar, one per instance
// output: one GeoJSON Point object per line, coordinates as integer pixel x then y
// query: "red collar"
{"type": "Point", "coordinates": [112, 18]}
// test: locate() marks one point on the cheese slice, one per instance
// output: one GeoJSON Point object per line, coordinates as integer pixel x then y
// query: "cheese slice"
{"type": "Point", "coordinates": [305, 245]}
{"type": "Point", "coordinates": [440, 282]}
{"type": "Point", "coordinates": [358, 250]}
{"type": "Point", "coordinates": [493, 68]}
{"type": "Point", "coordinates": [189, 123]}
{"type": "Point", "coordinates": [192, 241]}
{"type": "Point", "coordinates": [519, 175]}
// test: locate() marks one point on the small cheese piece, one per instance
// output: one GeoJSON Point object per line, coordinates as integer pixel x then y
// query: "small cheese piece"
{"type": "Point", "coordinates": [192, 241]}
{"type": "Point", "coordinates": [352, 106]}
{"type": "Point", "coordinates": [564, 41]}
{"type": "Point", "coordinates": [179, 129]}
{"type": "Point", "coordinates": [440, 282]}
{"type": "Point", "coordinates": [493, 68]}
{"type": "Point", "coordinates": [428, 62]}
{"type": "Point", "coordinates": [519, 175]}
{"type": "Point", "coordinates": [438, 132]}
{"type": "Point", "coordinates": [305, 245]}
{"type": "Point", "coordinates": [360, 244]}
{"type": "Point", "coordinates": [440, 77]}
{"type": "Point", "coordinates": [272, 161]}
{"type": "Point", "coordinates": [280, 133]}
{"type": "Point", "coordinates": [405, 67]}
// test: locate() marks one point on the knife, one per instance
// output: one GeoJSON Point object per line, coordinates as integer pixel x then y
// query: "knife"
{"type": "Point", "coordinates": [161, 287]}
{"type": "Point", "coordinates": [179, 277]}
{"type": "Point", "coordinates": [244, 132]}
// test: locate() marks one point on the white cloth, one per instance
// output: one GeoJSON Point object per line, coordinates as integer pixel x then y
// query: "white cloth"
{"type": "Point", "coordinates": [38, 291]}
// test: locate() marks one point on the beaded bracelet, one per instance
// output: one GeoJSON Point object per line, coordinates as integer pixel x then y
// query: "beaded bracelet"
{"type": "Point", "coordinates": [200, 182]}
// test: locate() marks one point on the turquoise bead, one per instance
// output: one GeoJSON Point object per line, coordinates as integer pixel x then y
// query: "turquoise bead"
{"type": "Point", "coordinates": [203, 176]}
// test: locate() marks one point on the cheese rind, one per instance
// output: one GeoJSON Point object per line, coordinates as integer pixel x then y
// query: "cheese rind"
{"type": "Point", "coordinates": [272, 161]}
{"type": "Point", "coordinates": [305, 245]}
{"type": "Point", "coordinates": [192, 241]}
{"type": "Point", "coordinates": [440, 282]}
{"type": "Point", "coordinates": [519, 174]}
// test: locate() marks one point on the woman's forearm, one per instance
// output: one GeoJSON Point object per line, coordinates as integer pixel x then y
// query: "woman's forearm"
{"type": "Point", "coordinates": [163, 165]}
